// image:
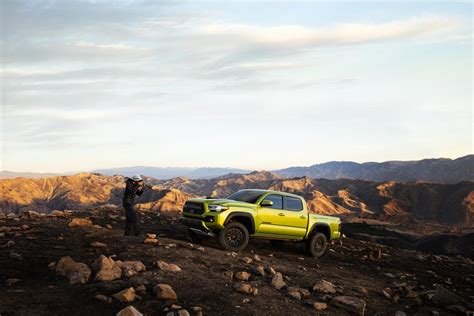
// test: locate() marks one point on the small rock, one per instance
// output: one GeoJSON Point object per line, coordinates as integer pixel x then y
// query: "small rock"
{"type": "Point", "coordinates": [168, 266]}
{"type": "Point", "coordinates": [103, 298]}
{"type": "Point", "coordinates": [131, 268]}
{"type": "Point", "coordinates": [151, 236]}
{"type": "Point", "coordinates": [320, 306]}
{"type": "Point", "coordinates": [258, 270]}
{"type": "Point", "coordinates": [52, 266]}
{"type": "Point", "coordinates": [97, 244]}
{"type": "Point", "coordinates": [277, 281]}
{"type": "Point", "coordinates": [16, 256]}
{"type": "Point", "coordinates": [150, 241]}
{"type": "Point", "coordinates": [400, 313]}
{"type": "Point", "coordinates": [24, 227]}
{"type": "Point", "coordinates": [80, 222]}
{"type": "Point", "coordinates": [351, 304]}
{"type": "Point", "coordinates": [58, 213]}
{"type": "Point", "coordinates": [229, 275]}
{"type": "Point", "coordinates": [108, 226]}
{"type": "Point", "coordinates": [76, 272]}
{"type": "Point", "coordinates": [247, 260]}
{"type": "Point", "coordinates": [165, 292]}
{"type": "Point", "coordinates": [12, 281]}
{"type": "Point", "coordinates": [106, 269]}
{"type": "Point", "coordinates": [270, 270]}
{"type": "Point", "coordinates": [129, 311]}
{"type": "Point", "coordinates": [141, 289]}
{"type": "Point", "coordinates": [242, 276]}
{"type": "Point", "coordinates": [243, 288]}
{"type": "Point", "coordinates": [257, 258]}
{"type": "Point", "coordinates": [324, 286]}
{"type": "Point", "coordinates": [183, 312]}
{"type": "Point", "coordinates": [386, 292]}
{"type": "Point", "coordinates": [126, 295]}
{"type": "Point", "coordinates": [363, 290]}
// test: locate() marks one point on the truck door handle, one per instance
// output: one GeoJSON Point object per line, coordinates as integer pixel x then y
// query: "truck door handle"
{"type": "Point", "coordinates": [281, 214]}
{"type": "Point", "coordinates": [302, 217]}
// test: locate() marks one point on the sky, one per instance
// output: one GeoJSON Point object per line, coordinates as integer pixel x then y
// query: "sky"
{"type": "Point", "coordinates": [243, 84]}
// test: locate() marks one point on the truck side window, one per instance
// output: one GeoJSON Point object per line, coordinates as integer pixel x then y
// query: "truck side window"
{"type": "Point", "coordinates": [276, 199]}
{"type": "Point", "coordinates": [293, 204]}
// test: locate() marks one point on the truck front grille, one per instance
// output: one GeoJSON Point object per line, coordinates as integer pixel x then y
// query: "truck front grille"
{"type": "Point", "coordinates": [193, 208]}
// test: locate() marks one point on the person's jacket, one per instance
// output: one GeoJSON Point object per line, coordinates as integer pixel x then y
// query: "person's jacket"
{"type": "Point", "coordinates": [132, 189]}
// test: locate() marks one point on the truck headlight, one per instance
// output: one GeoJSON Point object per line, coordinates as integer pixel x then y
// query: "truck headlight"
{"type": "Point", "coordinates": [217, 208]}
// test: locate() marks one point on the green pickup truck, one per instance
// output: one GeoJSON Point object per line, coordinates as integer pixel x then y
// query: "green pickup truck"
{"type": "Point", "coordinates": [259, 214]}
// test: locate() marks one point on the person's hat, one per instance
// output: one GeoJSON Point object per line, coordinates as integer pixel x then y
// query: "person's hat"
{"type": "Point", "coordinates": [137, 177]}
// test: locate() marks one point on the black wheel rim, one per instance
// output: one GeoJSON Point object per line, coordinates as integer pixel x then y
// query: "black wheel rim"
{"type": "Point", "coordinates": [234, 237]}
{"type": "Point", "coordinates": [319, 245]}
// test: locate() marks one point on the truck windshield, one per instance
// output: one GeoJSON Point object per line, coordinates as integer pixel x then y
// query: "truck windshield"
{"type": "Point", "coordinates": [245, 196]}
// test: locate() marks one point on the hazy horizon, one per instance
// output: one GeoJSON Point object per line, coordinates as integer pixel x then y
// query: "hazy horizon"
{"type": "Point", "coordinates": [217, 167]}
{"type": "Point", "coordinates": [252, 85]}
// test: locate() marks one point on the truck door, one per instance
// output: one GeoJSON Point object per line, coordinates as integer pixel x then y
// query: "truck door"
{"type": "Point", "coordinates": [271, 219]}
{"type": "Point", "coordinates": [296, 219]}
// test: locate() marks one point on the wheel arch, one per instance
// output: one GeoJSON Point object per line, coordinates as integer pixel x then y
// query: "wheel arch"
{"type": "Point", "coordinates": [245, 219]}
{"type": "Point", "coordinates": [322, 228]}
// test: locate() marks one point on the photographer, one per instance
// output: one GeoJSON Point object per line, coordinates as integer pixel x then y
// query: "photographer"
{"type": "Point", "coordinates": [133, 186]}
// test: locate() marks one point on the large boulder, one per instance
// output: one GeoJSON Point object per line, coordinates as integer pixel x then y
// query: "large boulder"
{"type": "Point", "coordinates": [165, 292]}
{"type": "Point", "coordinates": [76, 272]}
{"type": "Point", "coordinates": [350, 304]}
{"type": "Point", "coordinates": [106, 269]}
{"type": "Point", "coordinates": [130, 268]}
{"type": "Point", "coordinates": [80, 222]}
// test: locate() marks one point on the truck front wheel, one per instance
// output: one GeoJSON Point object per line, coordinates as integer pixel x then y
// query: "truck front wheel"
{"type": "Point", "coordinates": [316, 245]}
{"type": "Point", "coordinates": [234, 237]}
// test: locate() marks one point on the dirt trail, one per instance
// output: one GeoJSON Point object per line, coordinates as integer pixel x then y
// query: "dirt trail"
{"type": "Point", "coordinates": [348, 265]}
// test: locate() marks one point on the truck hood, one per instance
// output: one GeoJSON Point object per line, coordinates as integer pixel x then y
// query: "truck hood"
{"type": "Point", "coordinates": [226, 202]}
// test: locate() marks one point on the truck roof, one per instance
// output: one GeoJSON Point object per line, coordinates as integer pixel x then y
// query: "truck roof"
{"type": "Point", "coordinates": [272, 191]}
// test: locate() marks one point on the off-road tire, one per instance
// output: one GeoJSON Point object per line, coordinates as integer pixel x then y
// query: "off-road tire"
{"type": "Point", "coordinates": [234, 237]}
{"type": "Point", "coordinates": [316, 245]}
{"type": "Point", "coordinates": [195, 238]}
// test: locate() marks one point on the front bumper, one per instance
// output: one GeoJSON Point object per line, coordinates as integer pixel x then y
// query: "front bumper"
{"type": "Point", "coordinates": [197, 226]}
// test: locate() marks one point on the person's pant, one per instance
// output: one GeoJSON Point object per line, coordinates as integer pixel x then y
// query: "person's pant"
{"type": "Point", "coordinates": [132, 225]}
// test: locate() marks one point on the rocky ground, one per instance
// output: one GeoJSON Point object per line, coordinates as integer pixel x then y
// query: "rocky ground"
{"type": "Point", "coordinates": [57, 265]}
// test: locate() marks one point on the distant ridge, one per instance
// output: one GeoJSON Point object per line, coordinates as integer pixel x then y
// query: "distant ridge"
{"type": "Point", "coordinates": [432, 170]}
{"type": "Point", "coordinates": [169, 173]}
{"type": "Point", "coordinates": [441, 170]}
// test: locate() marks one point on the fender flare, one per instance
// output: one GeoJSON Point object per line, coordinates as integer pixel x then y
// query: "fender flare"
{"type": "Point", "coordinates": [241, 214]}
{"type": "Point", "coordinates": [316, 225]}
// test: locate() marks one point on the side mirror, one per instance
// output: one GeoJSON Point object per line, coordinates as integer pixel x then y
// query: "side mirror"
{"type": "Point", "coordinates": [266, 203]}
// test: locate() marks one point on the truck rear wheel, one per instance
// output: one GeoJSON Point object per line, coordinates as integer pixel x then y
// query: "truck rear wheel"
{"type": "Point", "coordinates": [316, 245]}
{"type": "Point", "coordinates": [234, 237]}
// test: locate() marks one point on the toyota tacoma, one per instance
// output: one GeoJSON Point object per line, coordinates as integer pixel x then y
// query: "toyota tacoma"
{"type": "Point", "coordinates": [259, 214]}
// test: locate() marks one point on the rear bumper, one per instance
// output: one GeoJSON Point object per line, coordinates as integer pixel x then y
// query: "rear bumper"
{"type": "Point", "coordinates": [197, 226]}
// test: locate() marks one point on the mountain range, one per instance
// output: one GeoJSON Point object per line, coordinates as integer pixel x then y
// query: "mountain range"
{"type": "Point", "coordinates": [433, 170]}
{"type": "Point", "coordinates": [447, 204]}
